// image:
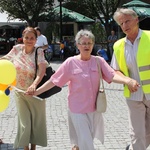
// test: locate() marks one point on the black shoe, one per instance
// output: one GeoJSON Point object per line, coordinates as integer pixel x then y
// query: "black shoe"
{"type": "Point", "coordinates": [127, 148]}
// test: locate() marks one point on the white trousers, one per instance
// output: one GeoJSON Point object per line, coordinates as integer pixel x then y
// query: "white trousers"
{"type": "Point", "coordinates": [139, 123]}
{"type": "Point", "coordinates": [83, 128]}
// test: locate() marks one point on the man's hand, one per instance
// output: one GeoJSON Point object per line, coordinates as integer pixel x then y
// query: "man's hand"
{"type": "Point", "coordinates": [133, 85]}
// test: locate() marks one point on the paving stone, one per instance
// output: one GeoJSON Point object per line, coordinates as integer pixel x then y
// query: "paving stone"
{"type": "Point", "coordinates": [116, 121]}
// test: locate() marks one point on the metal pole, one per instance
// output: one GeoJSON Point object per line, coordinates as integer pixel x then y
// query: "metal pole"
{"type": "Point", "coordinates": [60, 20]}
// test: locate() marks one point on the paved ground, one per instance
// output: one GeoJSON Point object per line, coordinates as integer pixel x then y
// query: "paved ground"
{"type": "Point", "coordinates": [116, 122]}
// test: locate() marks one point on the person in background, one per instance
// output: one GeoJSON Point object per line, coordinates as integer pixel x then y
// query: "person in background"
{"type": "Point", "coordinates": [31, 111]}
{"type": "Point", "coordinates": [111, 40]}
{"type": "Point", "coordinates": [82, 75]}
{"type": "Point", "coordinates": [131, 57]}
{"type": "Point", "coordinates": [62, 47]}
{"type": "Point", "coordinates": [42, 43]}
{"type": "Point", "coordinates": [19, 41]}
{"type": "Point", "coordinates": [41, 39]}
{"type": "Point", "coordinates": [66, 48]}
{"type": "Point", "coordinates": [103, 53]}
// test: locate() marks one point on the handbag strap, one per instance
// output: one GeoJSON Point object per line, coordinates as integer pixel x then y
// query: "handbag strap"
{"type": "Point", "coordinates": [100, 73]}
{"type": "Point", "coordinates": [36, 66]}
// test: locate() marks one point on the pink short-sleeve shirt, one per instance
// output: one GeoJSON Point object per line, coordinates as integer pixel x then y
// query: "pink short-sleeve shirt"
{"type": "Point", "coordinates": [82, 78]}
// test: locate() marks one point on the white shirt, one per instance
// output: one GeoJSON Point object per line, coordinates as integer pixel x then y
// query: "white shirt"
{"type": "Point", "coordinates": [130, 56]}
{"type": "Point", "coordinates": [41, 41]}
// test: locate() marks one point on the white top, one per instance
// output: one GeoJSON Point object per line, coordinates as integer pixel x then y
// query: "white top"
{"type": "Point", "coordinates": [41, 40]}
{"type": "Point", "coordinates": [130, 55]}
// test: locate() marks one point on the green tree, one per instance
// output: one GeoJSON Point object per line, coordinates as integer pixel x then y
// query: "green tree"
{"type": "Point", "coordinates": [101, 10]}
{"type": "Point", "coordinates": [27, 10]}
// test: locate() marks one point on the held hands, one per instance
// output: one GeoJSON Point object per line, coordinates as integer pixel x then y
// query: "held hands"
{"type": "Point", "coordinates": [31, 90]}
{"type": "Point", "coordinates": [133, 85]}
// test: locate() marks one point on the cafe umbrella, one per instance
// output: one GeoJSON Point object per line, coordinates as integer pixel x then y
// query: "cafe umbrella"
{"type": "Point", "coordinates": [71, 16]}
{"type": "Point", "coordinates": [141, 8]}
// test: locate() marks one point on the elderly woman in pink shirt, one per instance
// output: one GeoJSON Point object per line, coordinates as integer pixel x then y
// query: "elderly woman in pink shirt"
{"type": "Point", "coordinates": [81, 74]}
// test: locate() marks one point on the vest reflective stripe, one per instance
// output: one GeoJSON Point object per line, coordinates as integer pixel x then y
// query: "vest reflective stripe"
{"type": "Point", "coordinates": [143, 61]}
{"type": "Point", "coordinates": [145, 82]}
{"type": "Point", "coordinates": [144, 68]}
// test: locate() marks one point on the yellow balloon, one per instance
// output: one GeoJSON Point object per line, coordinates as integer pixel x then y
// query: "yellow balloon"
{"type": "Point", "coordinates": [4, 101]}
{"type": "Point", "coordinates": [3, 87]}
{"type": "Point", "coordinates": [7, 72]}
{"type": "Point", "coordinates": [13, 84]}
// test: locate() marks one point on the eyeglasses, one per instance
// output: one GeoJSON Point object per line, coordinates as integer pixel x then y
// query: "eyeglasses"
{"type": "Point", "coordinates": [85, 44]}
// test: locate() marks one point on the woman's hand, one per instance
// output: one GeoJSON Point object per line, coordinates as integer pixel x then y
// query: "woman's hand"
{"type": "Point", "coordinates": [31, 90]}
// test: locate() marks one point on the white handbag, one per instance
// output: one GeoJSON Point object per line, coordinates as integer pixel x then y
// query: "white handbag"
{"type": "Point", "coordinates": [101, 102]}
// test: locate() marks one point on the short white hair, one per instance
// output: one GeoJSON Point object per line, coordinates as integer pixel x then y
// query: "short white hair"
{"type": "Point", "coordinates": [84, 33]}
{"type": "Point", "coordinates": [124, 11]}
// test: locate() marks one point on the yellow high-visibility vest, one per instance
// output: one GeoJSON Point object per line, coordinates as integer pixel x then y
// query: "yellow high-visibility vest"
{"type": "Point", "coordinates": [143, 61]}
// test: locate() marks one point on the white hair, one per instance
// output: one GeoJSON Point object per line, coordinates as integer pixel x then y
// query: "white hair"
{"type": "Point", "coordinates": [124, 11]}
{"type": "Point", "coordinates": [84, 33]}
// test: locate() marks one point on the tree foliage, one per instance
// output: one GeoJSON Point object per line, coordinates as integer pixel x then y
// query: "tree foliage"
{"type": "Point", "coordinates": [26, 9]}
{"type": "Point", "coordinates": [101, 10]}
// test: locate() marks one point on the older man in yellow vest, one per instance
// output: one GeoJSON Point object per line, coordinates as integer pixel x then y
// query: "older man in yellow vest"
{"type": "Point", "coordinates": [132, 58]}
